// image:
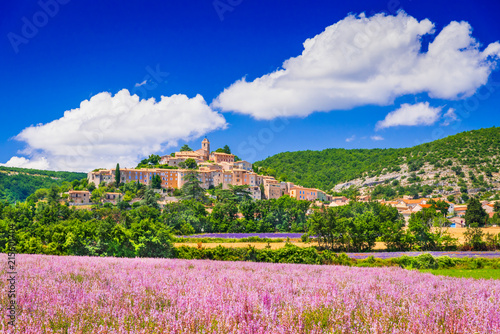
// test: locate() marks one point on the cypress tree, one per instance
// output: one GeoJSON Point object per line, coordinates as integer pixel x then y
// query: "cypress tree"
{"type": "Point", "coordinates": [117, 175]}
{"type": "Point", "coordinates": [475, 214]}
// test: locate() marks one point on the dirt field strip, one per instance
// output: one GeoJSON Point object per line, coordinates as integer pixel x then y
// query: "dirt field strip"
{"type": "Point", "coordinates": [259, 245]}
{"type": "Point", "coordinates": [458, 232]}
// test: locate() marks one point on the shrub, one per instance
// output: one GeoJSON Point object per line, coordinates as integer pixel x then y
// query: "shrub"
{"type": "Point", "coordinates": [446, 262]}
{"type": "Point", "coordinates": [474, 238]}
{"type": "Point", "coordinates": [425, 261]}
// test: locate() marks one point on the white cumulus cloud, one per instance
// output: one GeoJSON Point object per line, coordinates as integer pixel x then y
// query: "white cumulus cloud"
{"type": "Point", "coordinates": [22, 162]}
{"type": "Point", "coordinates": [107, 129]}
{"type": "Point", "coordinates": [367, 61]}
{"type": "Point", "coordinates": [377, 138]}
{"type": "Point", "coordinates": [350, 139]}
{"type": "Point", "coordinates": [411, 115]}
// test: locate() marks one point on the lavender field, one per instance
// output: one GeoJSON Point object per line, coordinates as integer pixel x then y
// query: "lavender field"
{"type": "Point", "coordinates": [246, 235]}
{"type": "Point", "coordinates": [111, 295]}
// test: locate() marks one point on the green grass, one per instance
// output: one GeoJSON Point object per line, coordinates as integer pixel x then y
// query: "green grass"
{"type": "Point", "coordinates": [467, 273]}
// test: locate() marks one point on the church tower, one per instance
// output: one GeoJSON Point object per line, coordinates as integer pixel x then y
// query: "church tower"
{"type": "Point", "coordinates": [205, 146]}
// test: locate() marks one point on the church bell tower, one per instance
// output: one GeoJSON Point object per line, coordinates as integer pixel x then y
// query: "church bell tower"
{"type": "Point", "coordinates": [205, 146]}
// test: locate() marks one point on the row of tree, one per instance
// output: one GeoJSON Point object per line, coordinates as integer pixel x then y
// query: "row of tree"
{"type": "Point", "coordinates": [52, 228]}
{"type": "Point", "coordinates": [356, 227]}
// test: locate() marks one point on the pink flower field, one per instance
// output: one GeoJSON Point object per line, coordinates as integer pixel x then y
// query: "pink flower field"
{"type": "Point", "coordinates": [111, 295]}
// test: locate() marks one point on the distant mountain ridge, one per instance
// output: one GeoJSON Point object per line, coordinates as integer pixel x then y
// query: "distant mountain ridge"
{"type": "Point", "coordinates": [466, 161]}
{"type": "Point", "coordinates": [16, 184]}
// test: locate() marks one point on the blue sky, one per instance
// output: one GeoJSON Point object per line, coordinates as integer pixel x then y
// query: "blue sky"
{"type": "Point", "coordinates": [54, 55]}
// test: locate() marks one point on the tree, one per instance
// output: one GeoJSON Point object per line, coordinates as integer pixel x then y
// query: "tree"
{"type": "Point", "coordinates": [191, 163]}
{"type": "Point", "coordinates": [474, 238]}
{"type": "Point", "coordinates": [329, 230]}
{"type": "Point", "coordinates": [496, 207]}
{"type": "Point", "coordinates": [156, 182]}
{"type": "Point", "coordinates": [75, 184]}
{"type": "Point", "coordinates": [154, 159]}
{"type": "Point", "coordinates": [117, 175]}
{"type": "Point", "coordinates": [180, 216]}
{"type": "Point", "coordinates": [191, 189]}
{"type": "Point", "coordinates": [353, 193]}
{"type": "Point", "coordinates": [150, 199]}
{"type": "Point", "coordinates": [394, 235]}
{"type": "Point", "coordinates": [225, 195]}
{"type": "Point", "coordinates": [233, 194]}
{"type": "Point", "coordinates": [443, 207]}
{"type": "Point", "coordinates": [241, 192]}
{"type": "Point", "coordinates": [122, 205]}
{"type": "Point", "coordinates": [420, 227]}
{"type": "Point", "coordinates": [440, 205]}
{"type": "Point", "coordinates": [223, 217]}
{"type": "Point", "coordinates": [53, 195]}
{"type": "Point", "coordinates": [185, 147]}
{"type": "Point", "coordinates": [97, 195]}
{"type": "Point", "coordinates": [475, 214]}
{"type": "Point", "coordinates": [225, 149]}
{"type": "Point", "coordinates": [156, 246]}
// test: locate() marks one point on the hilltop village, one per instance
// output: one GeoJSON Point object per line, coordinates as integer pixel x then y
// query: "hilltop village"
{"type": "Point", "coordinates": [213, 169]}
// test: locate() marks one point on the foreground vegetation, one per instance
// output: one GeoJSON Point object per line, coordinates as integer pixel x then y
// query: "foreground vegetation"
{"type": "Point", "coordinates": [49, 227]}
{"type": "Point", "coordinates": [299, 255]}
{"type": "Point", "coordinates": [110, 295]}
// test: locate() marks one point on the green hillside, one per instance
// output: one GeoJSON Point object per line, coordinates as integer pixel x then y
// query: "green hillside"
{"type": "Point", "coordinates": [475, 152]}
{"type": "Point", "coordinates": [16, 184]}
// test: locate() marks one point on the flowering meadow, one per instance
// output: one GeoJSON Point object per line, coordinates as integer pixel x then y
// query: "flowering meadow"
{"type": "Point", "coordinates": [111, 295]}
{"type": "Point", "coordinates": [246, 235]}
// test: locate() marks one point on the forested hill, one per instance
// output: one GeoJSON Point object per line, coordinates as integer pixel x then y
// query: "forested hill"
{"type": "Point", "coordinates": [16, 184]}
{"type": "Point", "coordinates": [476, 152]}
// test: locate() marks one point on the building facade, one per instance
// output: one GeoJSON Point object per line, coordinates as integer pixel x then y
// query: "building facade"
{"type": "Point", "coordinates": [214, 169]}
{"type": "Point", "coordinates": [79, 196]}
